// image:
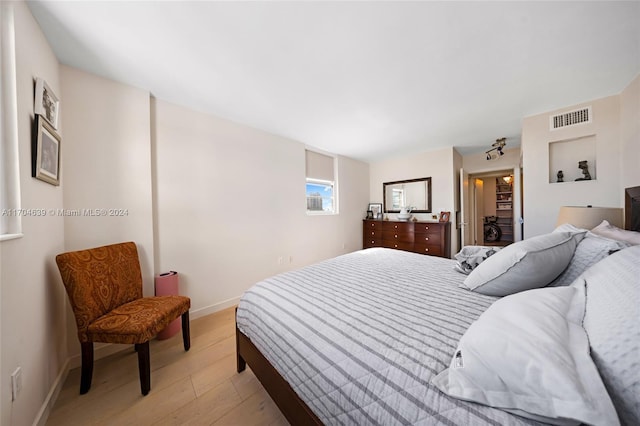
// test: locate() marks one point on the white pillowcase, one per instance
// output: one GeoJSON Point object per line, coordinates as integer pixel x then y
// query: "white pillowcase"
{"type": "Point", "coordinates": [527, 264]}
{"type": "Point", "coordinates": [605, 229]}
{"type": "Point", "coordinates": [611, 322]}
{"type": "Point", "coordinates": [528, 354]}
{"type": "Point", "coordinates": [592, 249]}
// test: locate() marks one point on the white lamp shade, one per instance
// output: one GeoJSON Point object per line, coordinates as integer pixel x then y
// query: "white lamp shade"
{"type": "Point", "coordinates": [589, 217]}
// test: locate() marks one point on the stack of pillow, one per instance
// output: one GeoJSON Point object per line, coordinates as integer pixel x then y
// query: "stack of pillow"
{"type": "Point", "coordinates": [567, 354]}
{"type": "Point", "coordinates": [554, 259]}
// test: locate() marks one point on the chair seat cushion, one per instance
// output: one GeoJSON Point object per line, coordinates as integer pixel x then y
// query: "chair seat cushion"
{"type": "Point", "coordinates": [138, 321]}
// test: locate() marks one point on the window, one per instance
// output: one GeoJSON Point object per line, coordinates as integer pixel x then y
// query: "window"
{"type": "Point", "coordinates": [321, 184]}
{"type": "Point", "coordinates": [10, 213]}
{"type": "Point", "coordinates": [397, 199]}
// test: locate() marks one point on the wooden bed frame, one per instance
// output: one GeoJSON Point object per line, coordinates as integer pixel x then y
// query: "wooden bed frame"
{"type": "Point", "coordinates": [295, 409]}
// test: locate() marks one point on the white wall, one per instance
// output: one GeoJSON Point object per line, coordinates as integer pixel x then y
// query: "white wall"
{"type": "Point", "coordinates": [107, 165]}
{"type": "Point", "coordinates": [107, 169]}
{"type": "Point", "coordinates": [32, 296]}
{"type": "Point", "coordinates": [230, 201]}
{"type": "Point", "coordinates": [630, 134]}
{"type": "Point", "coordinates": [439, 165]}
{"type": "Point", "coordinates": [542, 200]}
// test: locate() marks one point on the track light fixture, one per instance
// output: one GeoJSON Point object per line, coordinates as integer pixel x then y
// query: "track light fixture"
{"type": "Point", "coordinates": [496, 151]}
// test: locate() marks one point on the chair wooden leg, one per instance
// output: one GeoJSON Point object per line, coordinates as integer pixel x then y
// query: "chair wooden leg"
{"type": "Point", "coordinates": [87, 367]}
{"type": "Point", "coordinates": [144, 365]}
{"type": "Point", "coordinates": [186, 334]}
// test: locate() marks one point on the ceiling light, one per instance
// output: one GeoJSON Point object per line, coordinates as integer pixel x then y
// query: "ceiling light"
{"type": "Point", "coordinates": [497, 146]}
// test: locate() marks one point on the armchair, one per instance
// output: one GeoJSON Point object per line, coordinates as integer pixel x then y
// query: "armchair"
{"type": "Point", "coordinates": [104, 286]}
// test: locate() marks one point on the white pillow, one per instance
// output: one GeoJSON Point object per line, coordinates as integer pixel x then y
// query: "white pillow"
{"type": "Point", "coordinates": [611, 322]}
{"type": "Point", "coordinates": [471, 256]}
{"type": "Point", "coordinates": [528, 354]}
{"type": "Point", "coordinates": [524, 265]}
{"type": "Point", "coordinates": [605, 229]}
{"type": "Point", "coordinates": [592, 249]}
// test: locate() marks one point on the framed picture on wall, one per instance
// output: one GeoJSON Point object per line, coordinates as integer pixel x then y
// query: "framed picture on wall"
{"type": "Point", "coordinates": [47, 104]}
{"type": "Point", "coordinates": [45, 155]}
{"type": "Point", "coordinates": [376, 209]}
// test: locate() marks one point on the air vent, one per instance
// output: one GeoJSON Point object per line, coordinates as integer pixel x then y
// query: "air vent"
{"type": "Point", "coordinates": [571, 118]}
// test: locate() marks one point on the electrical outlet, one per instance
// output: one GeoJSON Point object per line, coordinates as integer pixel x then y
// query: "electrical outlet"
{"type": "Point", "coordinates": [16, 383]}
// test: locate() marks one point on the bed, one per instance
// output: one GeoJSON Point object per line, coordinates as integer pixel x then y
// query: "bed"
{"type": "Point", "coordinates": [367, 337]}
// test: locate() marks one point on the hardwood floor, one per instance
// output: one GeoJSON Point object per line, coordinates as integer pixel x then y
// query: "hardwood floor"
{"type": "Point", "coordinates": [199, 387]}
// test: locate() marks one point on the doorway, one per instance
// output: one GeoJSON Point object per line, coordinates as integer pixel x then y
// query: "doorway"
{"type": "Point", "coordinates": [494, 208]}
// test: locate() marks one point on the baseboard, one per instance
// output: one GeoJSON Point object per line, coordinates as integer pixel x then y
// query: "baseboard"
{"type": "Point", "coordinates": [52, 396]}
{"type": "Point", "coordinates": [212, 309]}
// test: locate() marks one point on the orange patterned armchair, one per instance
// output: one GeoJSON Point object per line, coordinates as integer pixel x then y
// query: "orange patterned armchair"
{"type": "Point", "coordinates": [104, 286]}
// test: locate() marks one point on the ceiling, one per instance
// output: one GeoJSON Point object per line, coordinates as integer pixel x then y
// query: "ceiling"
{"type": "Point", "coordinates": [368, 80]}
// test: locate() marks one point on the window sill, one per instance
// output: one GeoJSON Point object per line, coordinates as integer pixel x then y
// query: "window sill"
{"type": "Point", "coordinates": [312, 213]}
{"type": "Point", "coordinates": [6, 237]}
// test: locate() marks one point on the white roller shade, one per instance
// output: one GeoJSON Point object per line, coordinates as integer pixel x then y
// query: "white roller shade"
{"type": "Point", "coordinates": [319, 166]}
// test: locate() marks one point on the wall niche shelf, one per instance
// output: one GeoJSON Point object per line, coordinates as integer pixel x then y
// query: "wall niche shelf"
{"type": "Point", "coordinates": [566, 154]}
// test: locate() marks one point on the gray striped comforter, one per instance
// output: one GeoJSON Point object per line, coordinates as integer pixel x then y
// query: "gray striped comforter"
{"type": "Point", "coordinates": [360, 336]}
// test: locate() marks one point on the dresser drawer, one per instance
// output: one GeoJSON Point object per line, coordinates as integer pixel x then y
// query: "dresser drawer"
{"type": "Point", "coordinates": [372, 233]}
{"type": "Point", "coordinates": [428, 249]}
{"type": "Point", "coordinates": [397, 236]}
{"type": "Point", "coordinates": [373, 224]}
{"type": "Point", "coordinates": [399, 245]}
{"type": "Point", "coordinates": [371, 242]}
{"type": "Point", "coordinates": [397, 227]}
{"type": "Point", "coordinates": [428, 239]}
{"type": "Point", "coordinates": [427, 228]}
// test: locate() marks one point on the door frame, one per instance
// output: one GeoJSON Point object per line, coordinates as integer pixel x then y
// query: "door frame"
{"type": "Point", "coordinates": [469, 204]}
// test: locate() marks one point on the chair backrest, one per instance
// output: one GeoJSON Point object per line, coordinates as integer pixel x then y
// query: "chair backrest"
{"type": "Point", "coordinates": [99, 280]}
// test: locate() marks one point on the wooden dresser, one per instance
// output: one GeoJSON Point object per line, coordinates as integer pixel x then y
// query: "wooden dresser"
{"type": "Point", "coordinates": [432, 238]}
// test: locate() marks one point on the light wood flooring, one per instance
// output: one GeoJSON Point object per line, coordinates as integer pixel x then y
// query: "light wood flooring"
{"type": "Point", "coordinates": [199, 387]}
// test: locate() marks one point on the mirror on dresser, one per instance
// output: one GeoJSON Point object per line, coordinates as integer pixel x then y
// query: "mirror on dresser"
{"type": "Point", "coordinates": [413, 193]}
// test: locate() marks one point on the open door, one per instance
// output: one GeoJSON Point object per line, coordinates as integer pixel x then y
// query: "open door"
{"type": "Point", "coordinates": [464, 209]}
{"type": "Point", "coordinates": [517, 204]}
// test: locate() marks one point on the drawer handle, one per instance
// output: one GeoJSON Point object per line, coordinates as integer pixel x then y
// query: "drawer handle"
{"type": "Point", "coordinates": [426, 249]}
{"type": "Point", "coordinates": [426, 227]}
{"type": "Point", "coordinates": [373, 242]}
{"type": "Point", "coordinates": [373, 233]}
{"type": "Point", "coordinates": [426, 238]}
{"type": "Point", "coordinates": [395, 226]}
{"type": "Point", "coordinates": [395, 246]}
{"type": "Point", "coordinates": [395, 236]}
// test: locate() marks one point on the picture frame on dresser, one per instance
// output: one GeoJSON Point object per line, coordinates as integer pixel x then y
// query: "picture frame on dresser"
{"type": "Point", "coordinates": [444, 216]}
{"type": "Point", "coordinates": [376, 210]}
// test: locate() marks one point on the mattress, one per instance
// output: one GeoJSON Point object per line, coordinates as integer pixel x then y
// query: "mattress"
{"type": "Point", "coordinates": [360, 336]}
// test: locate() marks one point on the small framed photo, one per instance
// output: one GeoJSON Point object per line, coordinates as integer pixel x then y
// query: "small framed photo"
{"type": "Point", "coordinates": [46, 153]}
{"type": "Point", "coordinates": [369, 214]}
{"type": "Point", "coordinates": [47, 103]}
{"type": "Point", "coordinates": [444, 216]}
{"type": "Point", "coordinates": [376, 210]}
